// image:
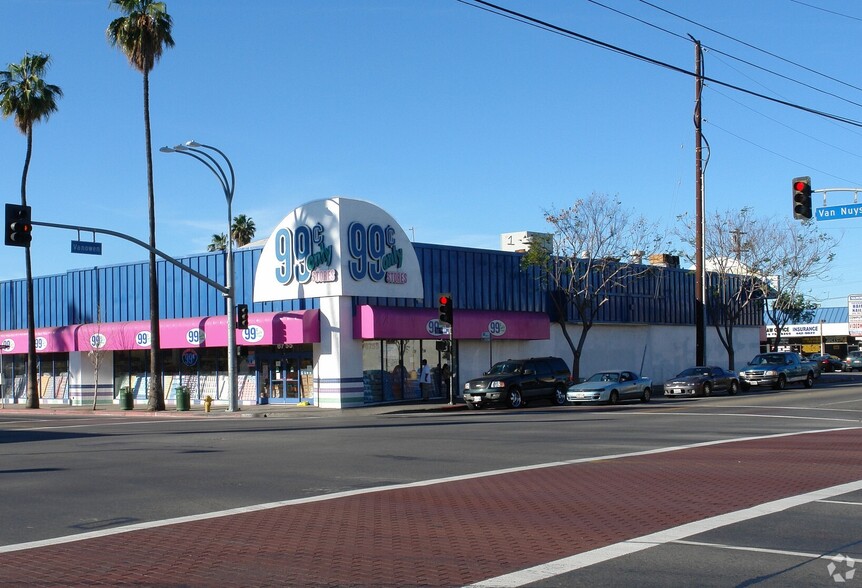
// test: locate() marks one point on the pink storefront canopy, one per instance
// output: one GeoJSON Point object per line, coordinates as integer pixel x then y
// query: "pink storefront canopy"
{"type": "Point", "coordinates": [267, 328]}
{"type": "Point", "coordinates": [380, 322]}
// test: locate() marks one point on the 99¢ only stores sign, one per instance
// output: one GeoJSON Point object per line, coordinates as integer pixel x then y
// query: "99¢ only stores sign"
{"type": "Point", "coordinates": [337, 247]}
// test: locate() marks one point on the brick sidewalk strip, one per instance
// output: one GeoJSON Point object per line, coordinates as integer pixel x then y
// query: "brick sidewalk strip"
{"type": "Point", "coordinates": [456, 532]}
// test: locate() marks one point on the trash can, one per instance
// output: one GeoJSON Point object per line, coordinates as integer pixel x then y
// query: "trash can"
{"type": "Point", "coordinates": [183, 399]}
{"type": "Point", "coordinates": [127, 400]}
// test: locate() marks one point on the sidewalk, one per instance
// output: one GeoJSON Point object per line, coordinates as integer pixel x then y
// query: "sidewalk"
{"type": "Point", "coordinates": [220, 410]}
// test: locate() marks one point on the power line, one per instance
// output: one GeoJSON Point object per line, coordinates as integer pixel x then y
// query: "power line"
{"type": "Point", "coordinates": [794, 129]}
{"type": "Point", "coordinates": [528, 20]}
{"type": "Point", "coordinates": [779, 154]}
{"type": "Point", "coordinates": [728, 55]}
{"type": "Point", "coordinates": [827, 10]}
{"type": "Point", "coordinates": [749, 45]}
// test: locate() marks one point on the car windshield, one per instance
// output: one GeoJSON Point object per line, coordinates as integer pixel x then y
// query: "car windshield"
{"type": "Point", "coordinates": [605, 377]}
{"type": "Point", "coordinates": [505, 367]}
{"type": "Point", "coordinates": [695, 371]}
{"type": "Point", "coordinates": [856, 354]}
{"type": "Point", "coordinates": [767, 358]}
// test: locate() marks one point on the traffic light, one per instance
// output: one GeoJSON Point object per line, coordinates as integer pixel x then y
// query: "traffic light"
{"type": "Point", "coordinates": [242, 316]}
{"type": "Point", "coordinates": [442, 345]}
{"type": "Point", "coordinates": [445, 308]}
{"type": "Point", "coordinates": [802, 198]}
{"type": "Point", "coordinates": [19, 229]}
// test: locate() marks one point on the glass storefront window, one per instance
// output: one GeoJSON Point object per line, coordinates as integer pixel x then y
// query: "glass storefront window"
{"type": "Point", "coordinates": [390, 370]}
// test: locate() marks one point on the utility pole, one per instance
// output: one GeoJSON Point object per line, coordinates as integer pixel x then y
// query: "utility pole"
{"type": "Point", "coordinates": [699, 322]}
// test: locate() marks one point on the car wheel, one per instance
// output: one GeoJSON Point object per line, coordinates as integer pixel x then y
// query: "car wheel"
{"type": "Point", "coordinates": [707, 388]}
{"type": "Point", "coordinates": [647, 394]}
{"type": "Point", "coordinates": [559, 397]}
{"type": "Point", "coordinates": [615, 397]}
{"type": "Point", "coordinates": [809, 380]}
{"type": "Point", "coordinates": [734, 388]}
{"type": "Point", "coordinates": [781, 384]}
{"type": "Point", "coordinates": [514, 399]}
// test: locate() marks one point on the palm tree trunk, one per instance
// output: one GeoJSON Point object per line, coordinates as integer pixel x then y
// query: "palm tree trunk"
{"type": "Point", "coordinates": [156, 400]}
{"type": "Point", "coordinates": [32, 385]}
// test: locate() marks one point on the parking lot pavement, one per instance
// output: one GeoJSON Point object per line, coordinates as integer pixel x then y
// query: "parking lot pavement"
{"type": "Point", "coordinates": [473, 529]}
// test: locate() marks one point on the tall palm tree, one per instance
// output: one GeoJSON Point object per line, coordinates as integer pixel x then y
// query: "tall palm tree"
{"type": "Point", "coordinates": [242, 231]}
{"type": "Point", "coordinates": [25, 95]}
{"type": "Point", "coordinates": [143, 34]}
{"type": "Point", "coordinates": [219, 242]}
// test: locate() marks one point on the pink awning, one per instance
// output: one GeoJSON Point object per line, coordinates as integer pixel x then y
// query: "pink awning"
{"type": "Point", "coordinates": [266, 328]}
{"type": "Point", "coordinates": [380, 322]}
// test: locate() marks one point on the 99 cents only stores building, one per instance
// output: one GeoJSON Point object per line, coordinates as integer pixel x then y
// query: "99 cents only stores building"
{"type": "Point", "coordinates": [343, 312]}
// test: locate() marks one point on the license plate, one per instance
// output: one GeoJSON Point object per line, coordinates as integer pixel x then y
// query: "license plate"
{"type": "Point", "coordinates": [753, 382]}
{"type": "Point", "coordinates": [677, 391]}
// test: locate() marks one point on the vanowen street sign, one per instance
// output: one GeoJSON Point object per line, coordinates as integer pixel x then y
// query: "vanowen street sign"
{"type": "Point", "coordinates": [88, 247]}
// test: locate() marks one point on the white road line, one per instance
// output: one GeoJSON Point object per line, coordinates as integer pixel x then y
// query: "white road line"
{"type": "Point", "coordinates": [674, 535]}
{"type": "Point", "coordinates": [837, 557]}
{"type": "Point", "coordinates": [743, 414]}
{"type": "Point", "coordinates": [761, 407]}
{"type": "Point", "coordinates": [334, 496]}
{"type": "Point", "coordinates": [841, 502]}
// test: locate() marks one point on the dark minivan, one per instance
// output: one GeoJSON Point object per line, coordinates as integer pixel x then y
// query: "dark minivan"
{"type": "Point", "coordinates": [515, 382]}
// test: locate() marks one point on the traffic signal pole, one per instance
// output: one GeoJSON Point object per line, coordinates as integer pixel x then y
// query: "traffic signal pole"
{"type": "Point", "coordinates": [445, 308]}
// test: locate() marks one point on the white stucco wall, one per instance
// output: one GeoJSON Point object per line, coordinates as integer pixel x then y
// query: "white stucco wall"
{"type": "Point", "coordinates": [663, 350]}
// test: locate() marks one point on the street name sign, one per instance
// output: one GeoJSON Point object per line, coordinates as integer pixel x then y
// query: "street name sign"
{"type": "Point", "coordinates": [839, 212]}
{"type": "Point", "coordinates": [88, 247]}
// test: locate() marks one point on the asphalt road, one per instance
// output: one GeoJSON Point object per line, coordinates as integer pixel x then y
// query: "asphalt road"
{"type": "Point", "coordinates": [68, 474]}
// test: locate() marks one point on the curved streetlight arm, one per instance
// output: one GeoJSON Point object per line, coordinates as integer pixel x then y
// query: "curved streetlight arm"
{"type": "Point", "coordinates": [196, 150]}
{"type": "Point", "coordinates": [194, 143]}
{"type": "Point", "coordinates": [214, 166]}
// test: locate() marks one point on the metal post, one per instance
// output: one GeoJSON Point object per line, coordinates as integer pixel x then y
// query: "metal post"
{"type": "Point", "coordinates": [196, 150]}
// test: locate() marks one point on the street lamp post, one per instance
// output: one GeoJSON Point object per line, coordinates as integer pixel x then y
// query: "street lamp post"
{"type": "Point", "coordinates": [228, 183]}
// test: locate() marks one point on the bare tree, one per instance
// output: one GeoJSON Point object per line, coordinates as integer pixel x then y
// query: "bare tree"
{"type": "Point", "coordinates": [752, 259]}
{"type": "Point", "coordinates": [594, 250]}
{"type": "Point", "coordinates": [97, 352]}
{"type": "Point", "coordinates": [800, 253]}
{"type": "Point", "coordinates": [786, 308]}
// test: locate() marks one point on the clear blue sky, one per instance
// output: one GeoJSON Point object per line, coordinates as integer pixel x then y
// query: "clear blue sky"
{"type": "Point", "coordinates": [412, 104]}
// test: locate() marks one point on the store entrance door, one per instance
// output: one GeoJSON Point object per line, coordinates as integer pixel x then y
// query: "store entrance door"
{"type": "Point", "coordinates": [286, 375]}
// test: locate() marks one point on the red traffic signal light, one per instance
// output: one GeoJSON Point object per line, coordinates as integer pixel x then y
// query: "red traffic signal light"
{"type": "Point", "coordinates": [802, 198]}
{"type": "Point", "coordinates": [19, 229]}
{"type": "Point", "coordinates": [445, 308]}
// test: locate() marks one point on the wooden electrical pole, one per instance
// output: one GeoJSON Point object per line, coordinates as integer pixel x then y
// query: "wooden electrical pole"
{"type": "Point", "coordinates": [699, 320]}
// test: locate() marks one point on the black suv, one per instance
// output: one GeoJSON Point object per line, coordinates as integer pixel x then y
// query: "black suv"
{"type": "Point", "coordinates": [514, 382]}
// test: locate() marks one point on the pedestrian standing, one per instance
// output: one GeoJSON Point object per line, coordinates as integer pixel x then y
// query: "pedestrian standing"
{"type": "Point", "coordinates": [425, 380]}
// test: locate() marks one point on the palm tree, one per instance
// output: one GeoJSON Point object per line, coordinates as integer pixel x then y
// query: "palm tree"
{"type": "Point", "coordinates": [25, 95]}
{"type": "Point", "coordinates": [242, 231]}
{"type": "Point", "coordinates": [219, 242]}
{"type": "Point", "coordinates": [142, 34]}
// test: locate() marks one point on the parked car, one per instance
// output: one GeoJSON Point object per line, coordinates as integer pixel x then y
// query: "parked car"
{"type": "Point", "coordinates": [702, 381]}
{"type": "Point", "coordinates": [828, 363]}
{"type": "Point", "coordinates": [611, 387]}
{"type": "Point", "coordinates": [515, 382]}
{"type": "Point", "coordinates": [853, 361]}
{"type": "Point", "coordinates": [776, 369]}
{"type": "Point", "coordinates": [813, 364]}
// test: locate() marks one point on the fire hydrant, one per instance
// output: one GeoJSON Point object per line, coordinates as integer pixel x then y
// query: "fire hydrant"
{"type": "Point", "coordinates": [208, 402]}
